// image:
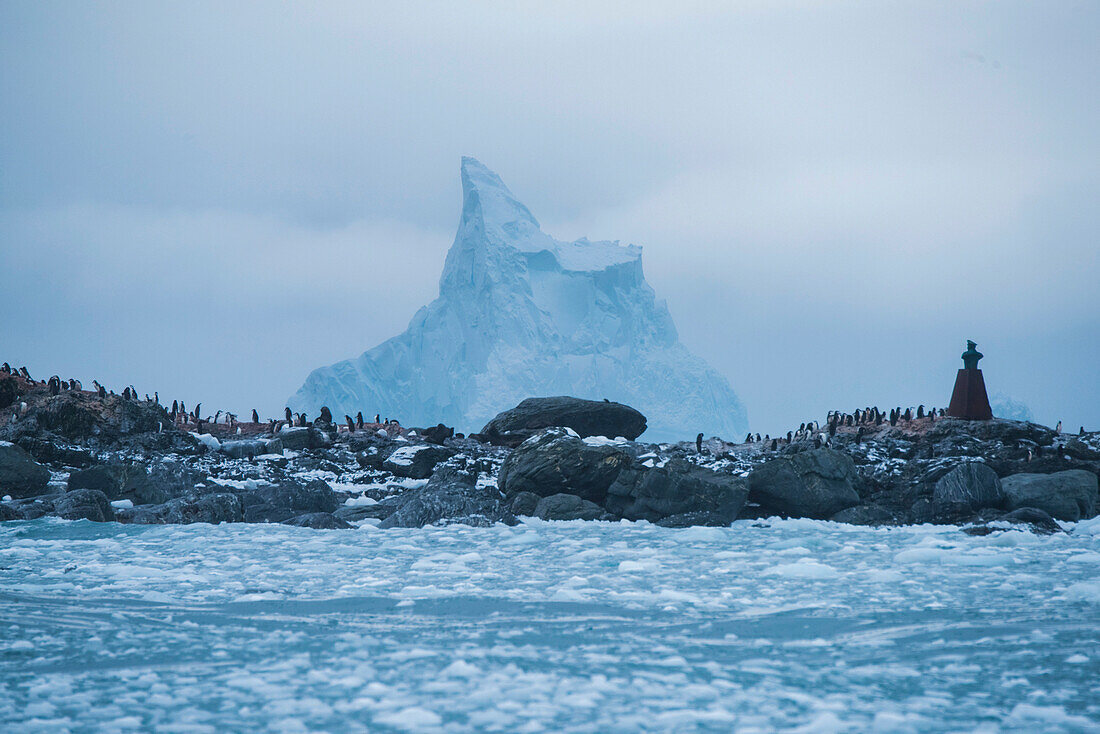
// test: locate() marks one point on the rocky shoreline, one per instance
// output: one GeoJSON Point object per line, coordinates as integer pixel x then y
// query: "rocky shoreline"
{"type": "Point", "coordinates": [98, 456]}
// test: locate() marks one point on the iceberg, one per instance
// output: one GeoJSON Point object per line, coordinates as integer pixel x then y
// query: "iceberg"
{"type": "Point", "coordinates": [521, 314]}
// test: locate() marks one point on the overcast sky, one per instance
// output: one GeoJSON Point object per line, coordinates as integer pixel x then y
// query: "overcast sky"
{"type": "Point", "coordinates": [210, 200]}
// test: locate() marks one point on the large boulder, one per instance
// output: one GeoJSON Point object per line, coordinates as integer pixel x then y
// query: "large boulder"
{"type": "Point", "coordinates": [297, 439]}
{"type": "Point", "coordinates": [817, 484]}
{"type": "Point", "coordinates": [585, 417]}
{"type": "Point", "coordinates": [213, 508]}
{"type": "Point", "coordinates": [567, 507]}
{"type": "Point", "coordinates": [281, 502]}
{"type": "Point", "coordinates": [318, 521]}
{"type": "Point", "coordinates": [1066, 495]}
{"type": "Point", "coordinates": [416, 462]}
{"type": "Point", "coordinates": [558, 462]}
{"type": "Point", "coordinates": [452, 495]}
{"type": "Point", "coordinates": [20, 475]}
{"type": "Point", "coordinates": [865, 515]}
{"type": "Point", "coordinates": [677, 488]}
{"type": "Point", "coordinates": [84, 504]}
{"type": "Point", "coordinates": [141, 484]}
{"type": "Point", "coordinates": [969, 487]}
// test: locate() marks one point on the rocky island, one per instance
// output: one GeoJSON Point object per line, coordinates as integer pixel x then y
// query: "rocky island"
{"type": "Point", "coordinates": [99, 456]}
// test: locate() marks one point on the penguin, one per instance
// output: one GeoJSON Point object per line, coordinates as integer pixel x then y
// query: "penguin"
{"type": "Point", "coordinates": [198, 422]}
{"type": "Point", "coordinates": [606, 400]}
{"type": "Point", "coordinates": [99, 389]}
{"type": "Point", "coordinates": [802, 428]}
{"type": "Point", "coordinates": [289, 417]}
{"type": "Point", "coordinates": [55, 385]}
{"type": "Point", "coordinates": [271, 427]}
{"type": "Point", "coordinates": [5, 368]}
{"type": "Point", "coordinates": [748, 438]}
{"type": "Point", "coordinates": [1058, 428]}
{"type": "Point", "coordinates": [216, 416]}
{"type": "Point", "coordinates": [908, 414]}
{"type": "Point", "coordinates": [1061, 451]}
{"type": "Point", "coordinates": [156, 398]}
{"type": "Point", "coordinates": [125, 393]}
{"type": "Point", "coordinates": [198, 411]}
{"type": "Point", "coordinates": [788, 436]}
{"type": "Point", "coordinates": [351, 425]}
{"type": "Point", "coordinates": [920, 412]}
{"type": "Point", "coordinates": [1081, 432]}
{"type": "Point", "coordinates": [326, 414]}
{"type": "Point", "coordinates": [1029, 456]}
{"type": "Point", "coordinates": [758, 438]}
{"type": "Point", "coordinates": [832, 428]}
{"type": "Point", "coordinates": [255, 416]}
{"type": "Point", "coordinates": [147, 398]}
{"type": "Point", "coordinates": [359, 420]}
{"type": "Point", "coordinates": [699, 444]}
{"type": "Point", "coordinates": [23, 372]}
{"type": "Point", "coordinates": [377, 416]}
{"type": "Point", "coordinates": [774, 445]}
{"type": "Point", "coordinates": [859, 436]}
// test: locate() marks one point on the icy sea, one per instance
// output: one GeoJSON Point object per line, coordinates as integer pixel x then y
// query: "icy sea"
{"type": "Point", "coordinates": [574, 626]}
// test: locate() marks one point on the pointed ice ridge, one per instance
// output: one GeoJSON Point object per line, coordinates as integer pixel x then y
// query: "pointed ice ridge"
{"type": "Point", "coordinates": [520, 314]}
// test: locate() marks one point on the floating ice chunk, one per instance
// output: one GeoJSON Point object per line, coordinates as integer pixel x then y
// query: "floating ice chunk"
{"type": "Point", "coordinates": [804, 570]}
{"type": "Point", "coordinates": [360, 501]}
{"type": "Point", "coordinates": [410, 719]}
{"type": "Point", "coordinates": [1088, 591]}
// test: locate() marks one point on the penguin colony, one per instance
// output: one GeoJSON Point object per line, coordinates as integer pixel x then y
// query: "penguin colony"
{"type": "Point", "coordinates": [194, 420]}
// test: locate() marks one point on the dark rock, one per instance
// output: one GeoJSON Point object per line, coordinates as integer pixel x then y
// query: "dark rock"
{"type": "Point", "coordinates": [1066, 495]}
{"type": "Point", "coordinates": [299, 439]}
{"type": "Point", "coordinates": [865, 515]}
{"type": "Point", "coordinates": [1040, 522]}
{"type": "Point", "coordinates": [585, 417]}
{"type": "Point", "coordinates": [378, 511]}
{"type": "Point", "coordinates": [318, 521]}
{"type": "Point", "coordinates": [417, 461]}
{"type": "Point", "coordinates": [370, 458]}
{"type": "Point", "coordinates": [922, 512]}
{"type": "Point", "coordinates": [280, 502]}
{"type": "Point", "coordinates": [20, 475]}
{"type": "Point", "coordinates": [214, 508]}
{"type": "Point", "coordinates": [817, 484]}
{"type": "Point", "coordinates": [567, 507]}
{"type": "Point", "coordinates": [693, 519]}
{"type": "Point", "coordinates": [138, 483]}
{"type": "Point", "coordinates": [555, 462]}
{"type": "Point", "coordinates": [9, 512]}
{"type": "Point", "coordinates": [437, 434]}
{"type": "Point", "coordinates": [250, 449]}
{"type": "Point", "coordinates": [9, 391]}
{"type": "Point", "coordinates": [677, 488]}
{"type": "Point", "coordinates": [523, 504]}
{"type": "Point", "coordinates": [84, 504]}
{"type": "Point", "coordinates": [451, 496]}
{"type": "Point", "coordinates": [968, 487]}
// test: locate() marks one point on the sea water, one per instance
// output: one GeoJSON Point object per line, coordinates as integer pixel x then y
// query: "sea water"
{"type": "Point", "coordinates": [547, 626]}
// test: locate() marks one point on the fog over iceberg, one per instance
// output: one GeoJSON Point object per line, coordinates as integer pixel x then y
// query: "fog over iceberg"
{"type": "Point", "coordinates": [212, 201]}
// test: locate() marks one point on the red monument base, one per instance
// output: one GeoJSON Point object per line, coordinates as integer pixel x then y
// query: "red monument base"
{"type": "Point", "coordinates": [969, 400]}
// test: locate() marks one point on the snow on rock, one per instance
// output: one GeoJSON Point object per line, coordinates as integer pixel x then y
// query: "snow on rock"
{"type": "Point", "coordinates": [520, 314]}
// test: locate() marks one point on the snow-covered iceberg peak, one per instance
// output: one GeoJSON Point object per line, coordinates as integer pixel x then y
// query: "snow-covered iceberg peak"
{"type": "Point", "coordinates": [521, 314]}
